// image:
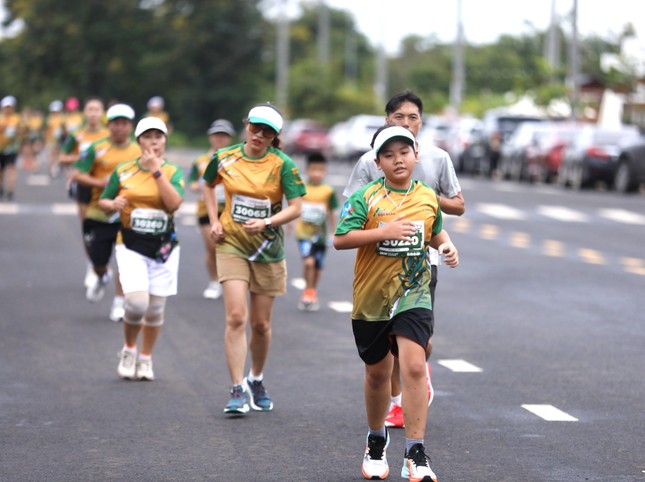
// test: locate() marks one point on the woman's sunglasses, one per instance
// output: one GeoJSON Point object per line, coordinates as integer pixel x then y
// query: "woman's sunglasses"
{"type": "Point", "coordinates": [267, 131]}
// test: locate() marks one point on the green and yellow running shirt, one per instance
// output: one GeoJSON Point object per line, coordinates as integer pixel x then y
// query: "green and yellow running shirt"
{"type": "Point", "coordinates": [319, 201]}
{"type": "Point", "coordinates": [99, 161]}
{"type": "Point", "coordinates": [254, 189]}
{"type": "Point", "coordinates": [391, 276]}
{"type": "Point", "coordinates": [80, 140]}
{"type": "Point", "coordinates": [145, 211]}
{"type": "Point", "coordinates": [197, 175]}
{"type": "Point", "coordinates": [10, 132]}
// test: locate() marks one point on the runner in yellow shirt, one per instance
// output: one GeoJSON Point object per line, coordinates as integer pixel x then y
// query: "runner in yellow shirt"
{"type": "Point", "coordinates": [392, 221]}
{"type": "Point", "coordinates": [11, 134]}
{"type": "Point", "coordinates": [220, 135]}
{"type": "Point", "coordinates": [54, 134]}
{"type": "Point", "coordinates": [99, 229]}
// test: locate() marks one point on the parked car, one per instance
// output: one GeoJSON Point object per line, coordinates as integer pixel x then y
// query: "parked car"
{"type": "Point", "coordinates": [482, 155]}
{"type": "Point", "coordinates": [351, 139]}
{"type": "Point", "coordinates": [593, 155]}
{"type": "Point", "coordinates": [544, 161]}
{"type": "Point", "coordinates": [462, 133]}
{"type": "Point", "coordinates": [303, 136]}
{"type": "Point", "coordinates": [520, 147]}
{"type": "Point", "coordinates": [630, 172]}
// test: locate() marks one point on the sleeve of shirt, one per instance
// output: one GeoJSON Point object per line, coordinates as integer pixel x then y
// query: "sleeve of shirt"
{"type": "Point", "coordinates": [177, 181]}
{"type": "Point", "coordinates": [86, 162]}
{"type": "Point", "coordinates": [292, 184]}
{"type": "Point", "coordinates": [437, 226]}
{"type": "Point", "coordinates": [194, 173]}
{"type": "Point", "coordinates": [210, 174]}
{"type": "Point", "coordinates": [353, 215]}
{"type": "Point", "coordinates": [448, 182]}
{"type": "Point", "coordinates": [68, 147]}
{"type": "Point", "coordinates": [360, 175]}
{"type": "Point", "coordinates": [112, 189]}
{"type": "Point", "coordinates": [333, 200]}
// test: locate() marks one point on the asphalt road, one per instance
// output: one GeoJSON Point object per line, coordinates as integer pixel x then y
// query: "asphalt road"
{"type": "Point", "coordinates": [538, 354]}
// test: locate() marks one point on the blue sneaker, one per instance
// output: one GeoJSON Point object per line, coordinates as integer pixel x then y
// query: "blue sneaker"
{"type": "Point", "coordinates": [239, 402]}
{"type": "Point", "coordinates": [260, 399]}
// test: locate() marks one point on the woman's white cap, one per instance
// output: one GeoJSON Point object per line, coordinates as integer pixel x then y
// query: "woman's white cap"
{"type": "Point", "coordinates": [120, 110]}
{"type": "Point", "coordinates": [148, 123]}
{"type": "Point", "coordinates": [156, 101]}
{"type": "Point", "coordinates": [8, 101]}
{"type": "Point", "coordinates": [393, 132]}
{"type": "Point", "coordinates": [263, 114]}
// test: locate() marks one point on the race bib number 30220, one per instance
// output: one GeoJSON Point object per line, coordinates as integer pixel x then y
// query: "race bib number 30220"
{"type": "Point", "coordinates": [402, 249]}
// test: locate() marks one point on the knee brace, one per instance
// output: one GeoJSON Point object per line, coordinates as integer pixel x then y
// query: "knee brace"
{"type": "Point", "coordinates": [135, 307]}
{"type": "Point", "coordinates": [154, 313]}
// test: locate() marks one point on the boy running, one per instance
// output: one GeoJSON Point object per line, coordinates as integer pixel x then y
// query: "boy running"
{"type": "Point", "coordinates": [392, 221]}
{"type": "Point", "coordinates": [318, 207]}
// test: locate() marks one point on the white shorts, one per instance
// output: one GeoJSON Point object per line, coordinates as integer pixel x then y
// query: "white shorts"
{"type": "Point", "coordinates": [140, 273]}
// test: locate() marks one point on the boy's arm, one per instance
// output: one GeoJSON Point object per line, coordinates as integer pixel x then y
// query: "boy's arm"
{"type": "Point", "coordinates": [398, 229]}
{"type": "Point", "coordinates": [442, 243]}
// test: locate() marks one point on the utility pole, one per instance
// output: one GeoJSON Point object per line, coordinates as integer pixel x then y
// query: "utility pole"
{"type": "Point", "coordinates": [458, 67]}
{"type": "Point", "coordinates": [552, 48]}
{"type": "Point", "coordinates": [323, 34]}
{"type": "Point", "coordinates": [574, 56]}
{"type": "Point", "coordinates": [282, 58]}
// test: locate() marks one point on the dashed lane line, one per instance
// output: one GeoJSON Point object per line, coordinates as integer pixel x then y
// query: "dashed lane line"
{"type": "Point", "coordinates": [341, 306]}
{"type": "Point", "coordinates": [563, 214]}
{"type": "Point", "coordinates": [549, 413]}
{"type": "Point", "coordinates": [461, 366]}
{"type": "Point", "coordinates": [622, 216]}
{"type": "Point", "coordinates": [501, 211]}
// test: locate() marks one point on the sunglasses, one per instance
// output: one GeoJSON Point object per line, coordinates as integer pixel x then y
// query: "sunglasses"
{"type": "Point", "coordinates": [267, 131]}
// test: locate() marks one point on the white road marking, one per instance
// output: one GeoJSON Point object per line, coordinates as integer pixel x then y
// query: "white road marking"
{"type": "Point", "coordinates": [501, 211]}
{"type": "Point", "coordinates": [549, 413]}
{"type": "Point", "coordinates": [38, 180]}
{"type": "Point", "coordinates": [341, 306]}
{"type": "Point", "coordinates": [520, 240]}
{"type": "Point", "coordinates": [8, 208]}
{"type": "Point", "coordinates": [622, 216]}
{"type": "Point", "coordinates": [563, 214]}
{"type": "Point", "coordinates": [461, 366]}
{"type": "Point", "coordinates": [592, 256]}
{"type": "Point", "coordinates": [64, 208]}
{"type": "Point", "coordinates": [298, 283]}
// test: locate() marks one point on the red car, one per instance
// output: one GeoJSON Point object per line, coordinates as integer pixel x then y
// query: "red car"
{"type": "Point", "coordinates": [304, 136]}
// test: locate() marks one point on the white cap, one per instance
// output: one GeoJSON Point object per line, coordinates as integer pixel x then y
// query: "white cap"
{"type": "Point", "coordinates": [56, 106]}
{"type": "Point", "coordinates": [148, 123]}
{"type": "Point", "coordinates": [263, 114]}
{"type": "Point", "coordinates": [393, 132]}
{"type": "Point", "coordinates": [120, 110]}
{"type": "Point", "coordinates": [8, 101]}
{"type": "Point", "coordinates": [221, 126]}
{"type": "Point", "coordinates": [156, 101]}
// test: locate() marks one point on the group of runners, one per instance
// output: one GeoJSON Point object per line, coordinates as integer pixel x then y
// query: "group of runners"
{"type": "Point", "coordinates": [128, 194]}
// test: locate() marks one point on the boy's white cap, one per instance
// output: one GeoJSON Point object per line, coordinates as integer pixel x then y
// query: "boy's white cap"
{"type": "Point", "coordinates": [148, 123]}
{"type": "Point", "coordinates": [393, 132]}
{"type": "Point", "coordinates": [56, 106]}
{"type": "Point", "coordinates": [120, 110]}
{"type": "Point", "coordinates": [263, 114]}
{"type": "Point", "coordinates": [156, 101]}
{"type": "Point", "coordinates": [8, 101]}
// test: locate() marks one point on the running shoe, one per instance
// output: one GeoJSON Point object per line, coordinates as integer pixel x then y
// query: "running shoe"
{"type": "Point", "coordinates": [394, 417]}
{"type": "Point", "coordinates": [416, 465]}
{"type": "Point", "coordinates": [127, 364]}
{"type": "Point", "coordinates": [95, 292]}
{"type": "Point", "coordinates": [375, 461]}
{"type": "Point", "coordinates": [259, 398]}
{"type": "Point", "coordinates": [430, 389]}
{"type": "Point", "coordinates": [213, 291]}
{"type": "Point", "coordinates": [309, 301]}
{"type": "Point", "coordinates": [239, 402]}
{"type": "Point", "coordinates": [117, 311]}
{"type": "Point", "coordinates": [90, 276]}
{"type": "Point", "coordinates": [144, 370]}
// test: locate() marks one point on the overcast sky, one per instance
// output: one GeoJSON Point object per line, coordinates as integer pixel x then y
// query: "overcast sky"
{"type": "Point", "coordinates": [389, 21]}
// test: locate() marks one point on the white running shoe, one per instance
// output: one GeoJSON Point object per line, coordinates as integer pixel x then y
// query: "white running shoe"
{"type": "Point", "coordinates": [144, 370]}
{"type": "Point", "coordinates": [117, 311]}
{"type": "Point", "coordinates": [127, 364]}
{"type": "Point", "coordinates": [95, 292]}
{"type": "Point", "coordinates": [90, 276]}
{"type": "Point", "coordinates": [213, 291]}
{"type": "Point", "coordinates": [375, 465]}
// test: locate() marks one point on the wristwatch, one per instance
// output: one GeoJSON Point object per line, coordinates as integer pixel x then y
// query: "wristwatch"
{"type": "Point", "coordinates": [156, 174]}
{"type": "Point", "coordinates": [267, 223]}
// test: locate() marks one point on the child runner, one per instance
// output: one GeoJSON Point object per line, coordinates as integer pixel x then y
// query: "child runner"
{"type": "Point", "coordinates": [318, 207]}
{"type": "Point", "coordinates": [392, 221]}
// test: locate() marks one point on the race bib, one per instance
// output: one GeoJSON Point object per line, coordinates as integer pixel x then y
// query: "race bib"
{"type": "Point", "coordinates": [245, 208]}
{"type": "Point", "coordinates": [149, 221]}
{"type": "Point", "coordinates": [10, 132]}
{"type": "Point", "coordinates": [402, 249]}
{"type": "Point", "coordinates": [314, 213]}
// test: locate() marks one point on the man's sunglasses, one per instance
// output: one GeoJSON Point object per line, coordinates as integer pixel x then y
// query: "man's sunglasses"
{"type": "Point", "coordinates": [267, 131]}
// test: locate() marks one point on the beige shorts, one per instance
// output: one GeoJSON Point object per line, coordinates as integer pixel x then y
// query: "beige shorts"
{"type": "Point", "coordinates": [268, 279]}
